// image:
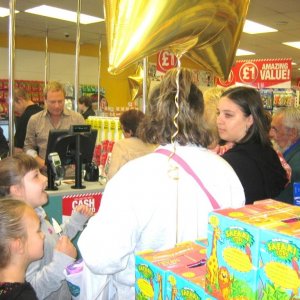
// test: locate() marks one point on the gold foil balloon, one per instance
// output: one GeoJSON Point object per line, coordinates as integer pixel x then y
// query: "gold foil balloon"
{"type": "Point", "coordinates": [208, 31]}
{"type": "Point", "coordinates": [136, 84]}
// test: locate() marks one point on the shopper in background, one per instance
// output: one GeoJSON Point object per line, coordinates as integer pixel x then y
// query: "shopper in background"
{"type": "Point", "coordinates": [285, 133]}
{"type": "Point", "coordinates": [85, 106]}
{"type": "Point", "coordinates": [131, 146]}
{"type": "Point", "coordinates": [242, 121]}
{"type": "Point", "coordinates": [21, 179]}
{"type": "Point", "coordinates": [24, 109]}
{"type": "Point", "coordinates": [21, 243]}
{"type": "Point", "coordinates": [54, 116]}
{"type": "Point", "coordinates": [152, 202]}
{"type": "Point", "coordinates": [103, 104]}
{"type": "Point", "coordinates": [4, 149]}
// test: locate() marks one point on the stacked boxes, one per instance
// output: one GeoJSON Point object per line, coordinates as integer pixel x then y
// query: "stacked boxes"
{"type": "Point", "coordinates": [252, 253]}
{"type": "Point", "coordinates": [177, 273]}
{"type": "Point", "coordinates": [257, 247]}
{"type": "Point", "coordinates": [280, 256]}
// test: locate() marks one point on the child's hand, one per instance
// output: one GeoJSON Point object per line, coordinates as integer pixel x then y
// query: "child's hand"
{"type": "Point", "coordinates": [65, 246]}
{"type": "Point", "coordinates": [85, 210]}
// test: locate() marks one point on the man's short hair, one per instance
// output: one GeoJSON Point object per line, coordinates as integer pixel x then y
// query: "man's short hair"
{"type": "Point", "coordinates": [21, 93]}
{"type": "Point", "coordinates": [54, 86]}
{"type": "Point", "coordinates": [291, 117]}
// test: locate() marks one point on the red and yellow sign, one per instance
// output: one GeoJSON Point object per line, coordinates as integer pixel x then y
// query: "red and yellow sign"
{"type": "Point", "coordinates": [70, 202]}
{"type": "Point", "coordinates": [260, 73]}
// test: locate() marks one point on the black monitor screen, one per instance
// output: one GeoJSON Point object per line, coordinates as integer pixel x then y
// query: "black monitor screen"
{"type": "Point", "coordinates": [74, 146]}
{"type": "Point", "coordinates": [64, 143]}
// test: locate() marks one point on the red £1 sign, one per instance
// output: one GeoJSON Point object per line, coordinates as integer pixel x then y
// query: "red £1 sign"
{"type": "Point", "coordinates": [166, 60]}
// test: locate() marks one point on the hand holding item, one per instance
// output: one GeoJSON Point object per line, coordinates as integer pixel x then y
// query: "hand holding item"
{"type": "Point", "coordinates": [84, 210]}
{"type": "Point", "coordinates": [65, 246]}
{"type": "Point", "coordinates": [56, 227]}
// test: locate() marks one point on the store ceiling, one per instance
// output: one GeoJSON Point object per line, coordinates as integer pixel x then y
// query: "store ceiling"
{"type": "Point", "coordinates": [283, 15]}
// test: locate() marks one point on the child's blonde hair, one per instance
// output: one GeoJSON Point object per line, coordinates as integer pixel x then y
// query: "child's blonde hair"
{"type": "Point", "coordinates": [11, 226]}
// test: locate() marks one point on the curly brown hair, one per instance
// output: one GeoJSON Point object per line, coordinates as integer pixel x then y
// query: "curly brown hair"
{"type": "Point", "coordinates": [158, 126]}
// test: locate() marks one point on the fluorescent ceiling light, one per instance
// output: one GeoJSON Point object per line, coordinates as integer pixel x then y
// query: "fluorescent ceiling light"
{"type": "Point", "coordinates": [62, 14]}
{"type": "Point", "coordinates": [293, 44]}
{"type": "Point", "coordinates": [294, 64]}
{"type": "Point", "coordinates": [255, 28]}
{"type": "Point", "coordinates": [4, 12]}
{"type": "Point", "coordinates": [240, 52]}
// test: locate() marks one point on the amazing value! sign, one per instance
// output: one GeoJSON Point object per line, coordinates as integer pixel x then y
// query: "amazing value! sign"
{"type": "Point", "coordinates": [260, 73]}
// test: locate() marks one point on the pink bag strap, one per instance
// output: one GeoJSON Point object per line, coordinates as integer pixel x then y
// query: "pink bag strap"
{"type": "Point", "coordinates": [188, 169]}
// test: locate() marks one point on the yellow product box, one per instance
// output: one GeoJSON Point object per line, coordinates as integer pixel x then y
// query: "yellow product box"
{"type": "Point", "coordinates": [232, 257]}
{"type": "Point", "coordinates": [279, 274]}
{"type": "Point", "coordinates": [169, 271]}
{"type": "Point", "coordinates": [188, 281]}
{"type": "Point", "coordinates": [244, 243]}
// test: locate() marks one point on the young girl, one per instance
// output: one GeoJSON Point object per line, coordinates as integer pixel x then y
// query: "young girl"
{"type": "Point", "coordinates": [21, 243]}
{"type": "Point", "coordinates": [21, 178]}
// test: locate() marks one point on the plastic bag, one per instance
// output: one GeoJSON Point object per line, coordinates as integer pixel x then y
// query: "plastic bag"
{"type": "Point", "coordinates": [84, 284]}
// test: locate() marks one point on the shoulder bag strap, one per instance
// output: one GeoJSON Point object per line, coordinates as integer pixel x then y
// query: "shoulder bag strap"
{"type": "Point", "coordinates": [188, 169]}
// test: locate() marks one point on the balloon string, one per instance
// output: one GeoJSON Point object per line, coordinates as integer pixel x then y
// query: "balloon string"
{"type": "Point", "coordinates": [175, 119]}
{"type": "Point", "coordinates": [173, 168]}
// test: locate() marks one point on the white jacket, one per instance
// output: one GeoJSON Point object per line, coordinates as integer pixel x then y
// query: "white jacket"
{"type": "Point", "coordinates": [139, 209]}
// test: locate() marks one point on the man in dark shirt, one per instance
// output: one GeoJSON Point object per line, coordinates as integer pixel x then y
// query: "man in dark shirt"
{"type": "Point", "coordinates": [24, 107]}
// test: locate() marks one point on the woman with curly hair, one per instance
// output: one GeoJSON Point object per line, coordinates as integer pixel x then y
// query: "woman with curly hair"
{"type": "Point", "coordinates": [154, 202]}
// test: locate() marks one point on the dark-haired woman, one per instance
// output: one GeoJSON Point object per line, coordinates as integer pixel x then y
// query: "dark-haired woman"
{"type": "Point", "coordinates": [242, 121]}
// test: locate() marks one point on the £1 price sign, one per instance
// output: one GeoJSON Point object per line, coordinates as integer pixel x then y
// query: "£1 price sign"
{"type": "Point", "coordinates": [262, 73]}
{"type": "Point", "coordinates": [248, 73]}
{"type": "Point", "coordinates": [166, 60]}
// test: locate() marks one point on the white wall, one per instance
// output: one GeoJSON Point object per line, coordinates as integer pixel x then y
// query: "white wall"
{"type": "Point", "coordinates": [30, 65]}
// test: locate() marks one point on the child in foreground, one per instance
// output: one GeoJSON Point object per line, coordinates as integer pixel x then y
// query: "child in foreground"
{"type": "Point", "coordinates": [21, 179]}
{"type": "Point", "coordinates": [21, 243]}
